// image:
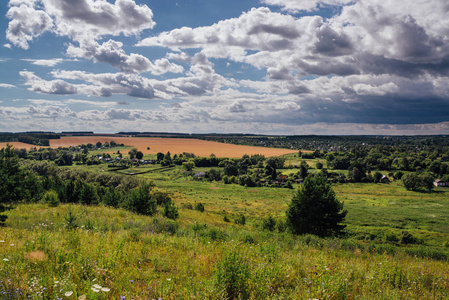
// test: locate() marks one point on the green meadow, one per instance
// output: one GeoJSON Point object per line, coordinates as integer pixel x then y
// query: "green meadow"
{"type": "Point", "coordinates": [76, 251]}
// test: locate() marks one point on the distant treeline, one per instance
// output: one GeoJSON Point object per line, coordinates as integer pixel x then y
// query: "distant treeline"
{"type": "Point", "coordinates": [155, 134]}
{"type": "Point", "coordinates": [33, 138]}
{"type": "Point", "coordinates": [81, 133]}
{"type": "Point", "coordinates": [331, 143]}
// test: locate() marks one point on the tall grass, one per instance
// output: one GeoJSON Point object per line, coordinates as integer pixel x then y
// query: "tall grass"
{"type": "Point", "coordinates": [112, 253]}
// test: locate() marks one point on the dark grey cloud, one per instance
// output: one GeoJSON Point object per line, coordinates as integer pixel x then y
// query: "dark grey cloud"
{"type": "Point", "coordinates": [331, 43]}
{"type": "Point", "coordinates": [285, 32]}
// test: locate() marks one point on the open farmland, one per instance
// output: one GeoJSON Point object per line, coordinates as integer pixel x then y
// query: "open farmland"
{"type": "Point", "coordinates": [19, 145]}
{"type": "Point", "coordinates": [174, 145]}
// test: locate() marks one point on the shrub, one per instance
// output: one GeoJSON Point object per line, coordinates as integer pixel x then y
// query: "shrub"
{"type": "Point", "coordinates": [249, 239]}
{"type": "Point", "coordinates": [240, 219]}
{"type": "Point", "coordinates": [141, 201]}
{"type": "Point", "coordinates": [217, 235]}
{"type": "Point", "coordinates": [199, 207]}
{"type": "Point", "coordinates": [269, 223]}
{"type": "Point", "coordinates": [112, 198]}
{"type": "Point", "coordinates": [427, 252]}
{"type": "Point", "coordinates": [164, 225]}
{"type": "Point", "coordinates": [281, 226]}
{"type": "Point", "coordinates": [226, 219]}
{"type": "Point", "coordinates": [389, 237]}
{"type": "Point", "coordinates": [407, 238]}
{"type": "Point", "coordinates": [70, 219]}
{"type": "Point", "coordinates": [233, 276]}
{"type": "Point", "coordinates": [161, 198]}
{"type": "Point", "coordinates": [170, 211]}
{"type": "Point", "coordinates": [88, 194]}
{"type": "Point", "coordinates": [51, 198]}
{"type": "Point", "coordinates": [226, 179]}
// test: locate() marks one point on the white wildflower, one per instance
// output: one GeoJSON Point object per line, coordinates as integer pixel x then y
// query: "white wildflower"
{"type": "Point", "coordinates": [105, 289]}
{"type": "Point", "coordinates": [95, 290]}
{"type": "Point", "coordinates": [68, 294]}
{"type": "Point", "coordinates": [97, 286]}
{"type": "Point", "coordinates": [5, 259]}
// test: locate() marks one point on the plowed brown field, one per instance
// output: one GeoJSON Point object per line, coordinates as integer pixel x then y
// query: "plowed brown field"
{"type": "Point", "coordinates": [174, 145]}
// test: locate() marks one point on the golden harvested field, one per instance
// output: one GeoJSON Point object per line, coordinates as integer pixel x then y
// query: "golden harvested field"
{"type": "Point", "coordinates": [174, 145]}
{"type": "Point", "coordinates": [18, 145]}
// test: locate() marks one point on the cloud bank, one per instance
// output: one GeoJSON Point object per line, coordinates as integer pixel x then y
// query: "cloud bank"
{"type": "Point", "coordinates": [372, 62]}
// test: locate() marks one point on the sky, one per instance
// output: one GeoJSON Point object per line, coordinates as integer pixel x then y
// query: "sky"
{"type": "Point", "coordinates": [294, 67]}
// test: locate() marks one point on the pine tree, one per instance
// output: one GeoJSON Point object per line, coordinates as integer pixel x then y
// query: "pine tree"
{"type": "Point", "coordinates": [314, 209]}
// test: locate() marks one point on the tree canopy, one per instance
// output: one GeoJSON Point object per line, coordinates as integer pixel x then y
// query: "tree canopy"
{"type": "Point", "coordinates": [314, 209]}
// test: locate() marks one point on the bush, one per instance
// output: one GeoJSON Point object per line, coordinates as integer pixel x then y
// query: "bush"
{"type": "Point", "coordinates": [88, 194]}
{"type": "Point", "coordinates": [161, 198]}
{"type": "Point", "coordinates": [233, 276]}
{"type": "Point", "coordinates": [51, 198]}
{"type": "Point", "coordinates": [112, 198]}
{"type": "Point", "coordinates": [199, 207]}
{"type": "Point", "coordinates": [70, 219]}
{"type": "Point", "coordinates": [164, 226]}
{"type": "Point", "coordinates": [281, 226]}
{"type": "Point", "coordinates": [389, 237]}
{"type": "Point", "coordinates": [249, 239]}
{"type": "Point", "coordinates": [141, 201]}
{"type": "Point", "coordinates": [269, 223]}
{"type": "Point", "coordinates": [226, 219]}
{"type": "Point", "coordinates": [407, 238]}
{"type": "Point", "coordinates": [427, 252]}
{"type": "Point", "coordinates": [240, 219]}
{"type": "Point", "coordinates": [226, 179]}
{"type": "Point", "coordinates": [170, 211]}
{"type": "Point", "coordinates": [216, 235]}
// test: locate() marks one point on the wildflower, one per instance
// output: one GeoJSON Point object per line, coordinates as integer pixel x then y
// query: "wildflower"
{"type": "Point", "coordinates": [68, 294]}
{"type": "Point", "coordinates": [12, 245]}
{"type": "Point", "coordinates": [105, 289]}
{"type": "Point", "coordinates": [168, 279]}
{"type": "Point", "coordinates": [82, 297]}
{"type": "Point", "coordinates": [2, 241]}
{"type": "Point", "coordinates": [95, 290]}
{"type": "Point", "coordinates": [97, 286]}
{"type": "Point", "coordinates": [5, 259]}
{"type": "Point", "coordinates": [122, 297]}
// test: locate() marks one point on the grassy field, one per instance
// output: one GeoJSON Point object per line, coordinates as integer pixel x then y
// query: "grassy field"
{"type": "Point", "coordinates": [113, 253]}
{"type": "Point", "coordinates": [106, 253]}
{"type": "Point", "coordinates": [374, 210]}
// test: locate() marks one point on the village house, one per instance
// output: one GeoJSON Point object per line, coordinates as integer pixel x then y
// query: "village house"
{"type": "Point", "coordinates": [440, 183]}
{"type": "Point", "coordinates": [384, 179]}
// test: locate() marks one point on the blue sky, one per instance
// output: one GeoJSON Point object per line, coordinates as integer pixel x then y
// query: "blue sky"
{"type": "Point", "coordinates": [200, 66]}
